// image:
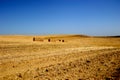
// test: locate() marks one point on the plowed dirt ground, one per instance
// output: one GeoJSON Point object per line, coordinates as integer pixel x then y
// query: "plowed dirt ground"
{"type": "Point", "coordinates": [78, 58]}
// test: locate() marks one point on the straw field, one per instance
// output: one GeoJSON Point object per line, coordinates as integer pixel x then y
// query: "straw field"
{"type": "Point", "coordinates": [79, 57]}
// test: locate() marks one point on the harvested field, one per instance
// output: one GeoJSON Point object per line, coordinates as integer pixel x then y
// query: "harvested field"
{"type": "Point", "coordinates": [78, 58]}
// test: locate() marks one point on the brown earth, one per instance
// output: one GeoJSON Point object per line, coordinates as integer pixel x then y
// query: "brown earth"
{"type": "Point", "coordinates": [78, 58]}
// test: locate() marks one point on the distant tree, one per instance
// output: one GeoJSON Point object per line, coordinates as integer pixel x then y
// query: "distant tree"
{"type": "Point", "coordinates": [59, 40]}
{"type": "Point", "coordinates": [48, 40]}
{"type": "Point", "coordinates": [33, 38]}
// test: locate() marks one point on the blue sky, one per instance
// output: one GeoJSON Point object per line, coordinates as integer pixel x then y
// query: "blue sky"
{"type": "Point", "coordinates": [90, 17]}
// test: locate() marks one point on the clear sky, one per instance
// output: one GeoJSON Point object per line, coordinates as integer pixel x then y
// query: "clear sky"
{"type": "Point", "coordinates": [90, 17]}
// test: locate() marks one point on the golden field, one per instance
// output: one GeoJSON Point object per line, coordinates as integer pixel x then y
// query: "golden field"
{"type": "Point", "coordinates": [79, 57]}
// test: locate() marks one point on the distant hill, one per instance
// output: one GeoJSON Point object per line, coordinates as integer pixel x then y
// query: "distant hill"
{"type": "Point", "coordinates": [78, 35]}
{"type": "Point", "coordinates": [114, 36]}
{"type": "Point", "coordinates": [108, 36]}
{"type": "Point", "coordinates": [66, 36]}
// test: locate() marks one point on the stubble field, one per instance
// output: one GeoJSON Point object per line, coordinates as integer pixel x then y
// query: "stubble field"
{"type": "Point", "coordinates": [77, 58]}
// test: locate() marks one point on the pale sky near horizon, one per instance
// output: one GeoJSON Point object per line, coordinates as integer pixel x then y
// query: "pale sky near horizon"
{"type": "Point", "coordinates": [34, 17]}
